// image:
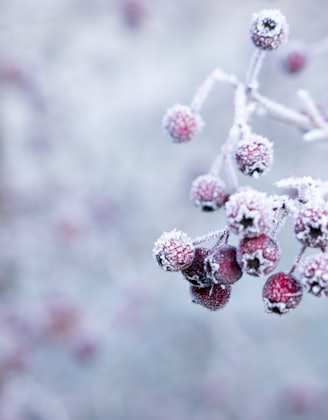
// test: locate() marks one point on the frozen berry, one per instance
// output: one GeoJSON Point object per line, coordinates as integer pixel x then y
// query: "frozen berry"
{"type": "Point", "coordinates": [208, 192]}
{"type": "Point", "coordinates": [311, 226]}
{"type": "Point", "coordinates": [295, 60]}
{"type": "Point", "coordinates": [212, 298]}
{"type": "Point", "coordinates": [254, 155]}
{"type": "Point", "coordinates": [196, 273]}
{"type": "Point", "coordinates": [249, 213]}
{"type": "Point", "coordinates": [258, 256]}
{"type": "Point", "coordinates": [181, 123]}
{"type": "Point", "coordinates": [282, 292]}
{"type": "Point", "coordinates": [174, 251]}
{"type": "Point", "coordinates": [269, 29]}
{"type": "Point", "coordinates": [221, 265]}
{"type": "Point", "coordinates": [314, 274]}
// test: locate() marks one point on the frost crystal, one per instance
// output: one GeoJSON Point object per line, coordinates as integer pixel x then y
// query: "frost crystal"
{"type": "Point", "coordinates": [304, 189]}
{"type": "Point", "coordinates": [314, 274]}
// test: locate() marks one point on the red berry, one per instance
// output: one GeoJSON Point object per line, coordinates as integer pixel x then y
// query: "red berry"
{"type": "Point", "coordinates": [269, 29]}
{"type": "Point", "coordinates": [314, 274]}
{"type": "Point", "coordinates": [174, 251]}
{"type": "Point", "coordinates": [212, 298]}
{"type": "Point", "coordinates": [295, 61]}
{"type": "Point", "coordinates": [258, 256]}
{"type": "Point", "coordinates": [254, 156]}
{"type": "Point", "coordinates": [249, 213]}
{"type": "Point", "coordinates": [311, 226]}
{"type": "Point", "coordinates": [196, 273]}
{"type": "Point", "coordinates": [221, 265]}
{"type": "Point", "coordinates": [181, 123]}
{"type": "Point", "coordinates": [282, 292]}
{"type": "Point", "coordinates": [208, 192]}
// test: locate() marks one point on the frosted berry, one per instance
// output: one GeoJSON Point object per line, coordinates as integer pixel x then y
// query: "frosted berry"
{"type": "Point", "coordinates": [311, 226]}
{"type": "Point", "coordinates": [181, 123]}
{"type": "Point", "coordinates": [196, 273]}
{"type": "Point", "coordinates": [208, 192]}
{"type": "Point", "coordinates": [254, 155]}
{"type": "Point", "coordinates": [314, 275]}
{"type": "Point", "coordinates": [258, 256]}
{"type": "Point", "coordinates": [269, 29]}
{"type": "Point", "coordinates": [249, 213]}
{"type": "Point", "coordinates": [282, 292]}
{"type": "Point", "coordinates": [212, 298]}
{"type": "Point", "coordinates": [221, 265]}
{"type": "Point", "coordinates": [174, 251]}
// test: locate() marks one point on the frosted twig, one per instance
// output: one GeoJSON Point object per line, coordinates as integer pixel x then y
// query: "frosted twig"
{"type": "Point", "coordinates": [218, 235]}
{"type": "Point", "coordinates": [298, 259]}
{"type": "Point", "coordinates": [254, 69]}
{"type": "Point", "coordinates": [312, 109]}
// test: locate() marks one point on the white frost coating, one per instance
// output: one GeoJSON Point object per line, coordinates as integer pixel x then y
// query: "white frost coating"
{"type": "Point", "coordinates": [306, 188]}
{"type": "Point", "coordinates": [271, 24]}
{"type": "Point", "coordinates": [265, 265]}
{"type": "Point", "coordinates": [314, 274]}
{"type": "Point", "coordinates": [181, 123]}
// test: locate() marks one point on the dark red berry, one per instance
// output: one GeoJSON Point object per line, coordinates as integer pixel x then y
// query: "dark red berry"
{"type": "Point", "coordinates": [282, 292]}
{"type": "Point", "coordinates": [258, 256]}
{"type": "Point", "coordinates": [212, 298]}
{"type": "Point", "coordinates": [221, 265]}
{"type": "Point", "coordinates": [196, 273]}
{"type": "Point", "coordinates": [295, 61]}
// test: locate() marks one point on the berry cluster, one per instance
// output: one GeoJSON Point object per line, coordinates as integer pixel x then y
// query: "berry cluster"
{"type": "Point", "coordinates": [254, 217]}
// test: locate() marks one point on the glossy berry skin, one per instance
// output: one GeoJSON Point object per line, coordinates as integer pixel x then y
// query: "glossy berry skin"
{"type": "Point", "coordinates": [269, 29]}
{"type": "Point", "coordinates": [181, 123]}
{"type": "Point", "coordinates": [208, 192]}
{"type": "Point", "coordinates": [221, 265]}
{"type": "Point", "coordinates": [174, 251]}
{"type": "Point", "coordinates": [196, 273]}
{"type": "Point", "coordinates": [258, 256]}
{"type": "Point", "coordinates": [254, 156]}
{"type": "Point", "coordinates": [314, 275]}
{"type": "Point", "coordinates": [212, 298]}
{"type": "Point", "coordinates": [282, 292]}
{"type": "Point", "coordinates": [311, 226]}
{"type": "Point", "coordinates": [249, 213]}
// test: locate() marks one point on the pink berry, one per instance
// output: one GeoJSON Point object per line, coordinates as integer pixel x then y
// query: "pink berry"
{"type": "Point", "coordinates": [254, 156]}
{"type": "Point", "coordinates": [221, 265]}
{"type": "Point", "coordinates": [249, 213]}
{"type": "Point", "coordinates": [269, 29]}
{"type": "Point", "coordinates": [196, 273]}
{"type": "Point", "coordinates": [181, 123]}
{"type": "Point", "coordinates": [212, 298]}
{"type": "Point", "coordinates": [174, 251]}
{"type": "Point", "coordinates": [311, 226]}
{"type": "Point", "coordinates": [295, 60]}
{"type": "Point", "coordinates": [282, 292]}
{"type": "Point", "coordinates": [314, 274]}
{"type": "Point", "coordinates": [208, 192]}
{"type": "Point", "coordinates": [258, 256]}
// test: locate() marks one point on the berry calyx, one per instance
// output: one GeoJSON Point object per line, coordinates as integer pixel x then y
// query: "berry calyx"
{"type": "Point", "coordinates": [174, 251]}
{"type": "Point", "coordinates": [254, 156]}
{"type": "Point", "coordinates": [314, 275]}
{"type": "Point", "coordinates": [221, 265]}
{"type": "Point", "coordinates": [281, 293]}
{"type": "Point", "coordinates": [196, 273]}
{"type": "Point", "coordinates": [208, 192]}
{"type": "Point", "coordinates": [212, 298]}
{"type": "Point", "coordinates": [181, 123]}
{"type": "Point", "coordinates": [269, 29]}
{"type": "Point", "coordinates": [258, 256]}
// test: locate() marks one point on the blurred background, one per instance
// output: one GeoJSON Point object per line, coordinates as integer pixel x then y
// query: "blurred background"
{"type": "Point", "coordinates": [91, 328]}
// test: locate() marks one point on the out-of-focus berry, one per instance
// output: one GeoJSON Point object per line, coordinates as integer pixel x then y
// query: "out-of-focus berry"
{"type": "Point", "coordinates": [314, 274]}
{"type": "Point", "coordinates": [258, 256]}
{"type": "Point", "coordinates": [249, 213]}
{"type": "Point", "coordinates": [269, 29]}
{"type": "Point", "coordinates": [282, 292]}
{"type": "Point", "coordinates": [311, 226]}
{"type": "Point", "coordinates": [133, 12]}
{"type": "Point", "coordinates": [254, 155]}
{"type": "Point", "coordinates": [208, 192]}
{"type": "Point", "coordinates": [196, 273]}
{"type": "Point", "coordinates": [295, 60]}
{"type": "Point", "coordinates": [212, 298]}
{"type": "Point", "coordinates": [221, 265]}
{"type": "Point", "coordinates": [174, 251]}
{"type": "Point", "coordinates": [181, 123]}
